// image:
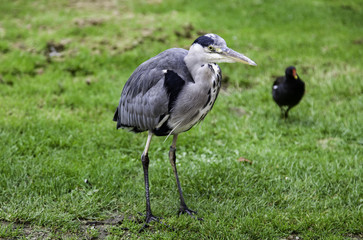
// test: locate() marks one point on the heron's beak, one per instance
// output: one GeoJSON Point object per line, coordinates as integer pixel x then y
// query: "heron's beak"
{"type": "Point", "coordinates": [234, 56]}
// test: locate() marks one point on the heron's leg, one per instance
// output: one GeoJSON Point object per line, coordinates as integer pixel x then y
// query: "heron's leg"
{"type": "Point", "coordinates": [145, 165]}
{"type": "Point", "coordinates": [172, 158]}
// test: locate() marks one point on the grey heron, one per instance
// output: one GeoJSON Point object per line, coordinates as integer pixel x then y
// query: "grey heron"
{"type": "Point", "coordinates": [171, 92]}
{"type": "Point", "coordinates": [288, 90]}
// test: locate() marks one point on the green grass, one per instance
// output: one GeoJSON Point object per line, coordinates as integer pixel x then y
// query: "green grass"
{"type": "Point", "coordinates": [56, 126]}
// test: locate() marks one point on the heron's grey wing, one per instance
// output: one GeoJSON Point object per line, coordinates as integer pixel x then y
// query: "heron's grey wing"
{"type": "Point", "coordinates": [144, 99]}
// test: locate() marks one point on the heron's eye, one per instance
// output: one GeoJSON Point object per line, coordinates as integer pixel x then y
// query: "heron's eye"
{"type": "Point", "coordinates": [211, 48]}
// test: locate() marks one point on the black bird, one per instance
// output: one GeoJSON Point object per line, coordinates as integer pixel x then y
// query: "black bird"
{"type": "Point", "coordinates": [288, 90]}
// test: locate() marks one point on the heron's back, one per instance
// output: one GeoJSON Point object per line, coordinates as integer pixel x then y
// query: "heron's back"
{"type": "Point", "coordinates": [144, 99]}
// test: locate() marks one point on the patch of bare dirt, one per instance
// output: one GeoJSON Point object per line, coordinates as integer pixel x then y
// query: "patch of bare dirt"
{"type": "Point", "coordinates": [185, 32]}
{"type": "Point", "coordinates": [55, 49]}
{"type": "Point", "coordinates": [89, 229]}
{"type": "Point", "coordinates": [26, 230]}
{"type": "Point", "coordinates": [154, 1]}
{"type": "Point", "coordinates": [147, 34]}
{"type": "Point", "coordinates": [358, 41]}
{"type": "Point", "coordinates": [89, 22]}
{"type": "Point", "coordinates": [355, 236]}
{"type": "Point", "coordinates": [292, 237]}
{"type": "Point", "coordinates": [6, 82]}
{"type": "Point", "coordinates": [101, 227]}
{"type": "Point", "coordinates": [239, 111]}
{"type": "Point", "coordinates": [94, 4]}
{"type": "Point", "coordinates": [329, 143]}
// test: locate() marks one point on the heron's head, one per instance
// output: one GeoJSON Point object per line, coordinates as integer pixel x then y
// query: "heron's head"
{"type": "Point", "coordinates": [291, 72]}
{"type": "Point", "coordinates": [213, 49]}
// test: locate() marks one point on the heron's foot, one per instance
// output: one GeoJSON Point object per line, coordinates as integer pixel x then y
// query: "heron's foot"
{"type": "Point", "coordinates": [151, 218]}
{"type": "Point", "coordinates": [190, 212]}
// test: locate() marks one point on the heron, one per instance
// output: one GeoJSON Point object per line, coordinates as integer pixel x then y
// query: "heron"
{"type": "Point", "coordinates": [288, 90]}
{"type": "Point", "coordinates": [170, 93]}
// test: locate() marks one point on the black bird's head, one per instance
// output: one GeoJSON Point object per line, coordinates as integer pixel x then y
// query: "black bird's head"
{"type": "Point", "coordinates": [290, 72]}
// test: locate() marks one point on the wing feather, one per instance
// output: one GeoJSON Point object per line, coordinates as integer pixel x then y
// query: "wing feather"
{"type": "Point", "coordinates": [144, 99]}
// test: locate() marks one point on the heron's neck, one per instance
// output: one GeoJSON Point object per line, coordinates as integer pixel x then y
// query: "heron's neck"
{"type": "Point", "coordinates": [194, 63]}
{"type": "Point", "coordinates": [194, 59]}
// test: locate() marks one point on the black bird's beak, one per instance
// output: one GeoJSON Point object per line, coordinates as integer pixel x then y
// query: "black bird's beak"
{"type": "Point", "coordinates": [294, 74]}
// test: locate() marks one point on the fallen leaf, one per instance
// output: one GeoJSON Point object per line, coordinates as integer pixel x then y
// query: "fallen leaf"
{"type": "Point", "coordinates": [242, 159]}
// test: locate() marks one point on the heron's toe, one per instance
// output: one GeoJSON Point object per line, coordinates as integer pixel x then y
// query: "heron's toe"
{"type": "Point", "coordinates": [190, 212]}
{"type": "Point", "coordinates": [151, 218]}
